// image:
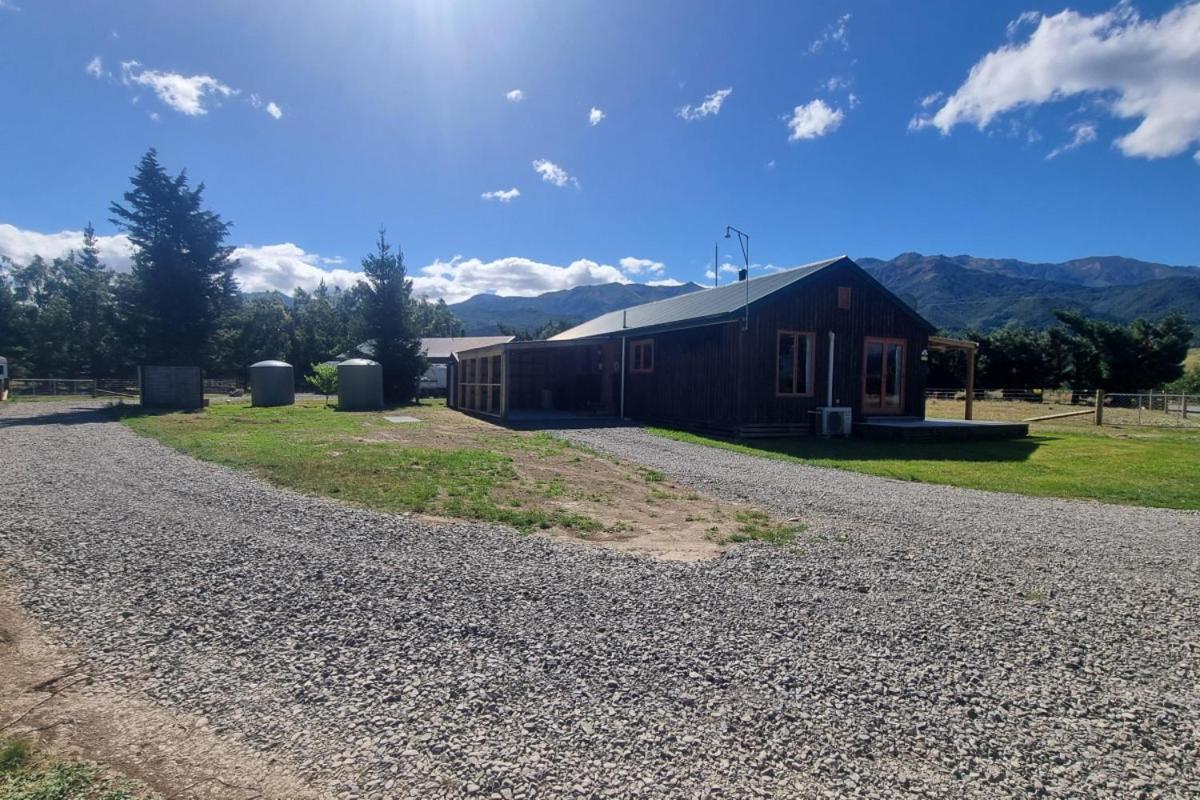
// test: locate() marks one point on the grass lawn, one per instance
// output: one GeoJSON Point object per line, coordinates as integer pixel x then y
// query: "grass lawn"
{"type": "Point", "coordinates": [1146, 467]}
{"type": "Point", "coordinates": [451, 465]}
{"type": "Point", "coordinates": [321, 451]}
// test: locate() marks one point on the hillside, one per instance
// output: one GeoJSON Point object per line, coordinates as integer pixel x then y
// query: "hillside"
{"type": "Point", "coordinates": [482, 313]}
{"type": "Point", "coordinates": [953, 292]}
{"type": "Point", "coordinates": [958, 292]}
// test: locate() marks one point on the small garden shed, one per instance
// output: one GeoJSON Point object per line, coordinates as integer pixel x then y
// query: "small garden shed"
{"type": "Point", "coordinates": [757, 357]}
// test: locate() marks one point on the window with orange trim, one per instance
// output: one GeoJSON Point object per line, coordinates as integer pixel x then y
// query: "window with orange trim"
{"type": "Point", "coordinates": [641, 355]}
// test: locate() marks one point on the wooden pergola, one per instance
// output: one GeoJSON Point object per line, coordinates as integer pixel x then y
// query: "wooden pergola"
{"type": "Point", "coordinates": [970, 348]}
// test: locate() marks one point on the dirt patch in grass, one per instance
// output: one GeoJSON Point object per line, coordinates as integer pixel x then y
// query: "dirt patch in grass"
{"type": "Point", "coordinates": [450, 465]}
{"type": "Point", "coordinates": [88, 740]}
{"type": "Point", "coordinates": [593, 497]}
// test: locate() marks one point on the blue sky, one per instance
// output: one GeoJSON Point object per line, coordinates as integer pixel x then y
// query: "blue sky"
{"type": "Point", "coordinates": [401, 113]}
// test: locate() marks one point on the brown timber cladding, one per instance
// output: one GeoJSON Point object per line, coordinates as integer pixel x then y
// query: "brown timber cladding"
{"type": "Point", "coordinates": [699, 383]}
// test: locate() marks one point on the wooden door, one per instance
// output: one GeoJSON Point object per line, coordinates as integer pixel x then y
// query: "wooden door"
{"type": "Point", "coordinates": [883, 376]}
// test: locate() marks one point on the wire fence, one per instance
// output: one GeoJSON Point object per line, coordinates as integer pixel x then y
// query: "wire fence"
{"type": "Point", "coordinates": [223, 385]}
{"type": "Point", "coordinates": [1157, 409]}
{"type": "Point", "coordinates": [1070, 407]}
{"type": "Point", "coordinates": [102, 387]}
{"type": "Point", "coordinates": [1068, 396]}
{"type": "Point", "coordinates": [72, 387]}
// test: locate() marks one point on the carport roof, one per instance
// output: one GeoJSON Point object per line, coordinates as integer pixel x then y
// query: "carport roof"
{"type": "Point", "coordinates": [705, 304]}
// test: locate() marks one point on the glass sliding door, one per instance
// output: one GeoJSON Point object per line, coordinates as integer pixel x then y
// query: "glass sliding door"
{"type": "Point", "coordinates": [883, 376]}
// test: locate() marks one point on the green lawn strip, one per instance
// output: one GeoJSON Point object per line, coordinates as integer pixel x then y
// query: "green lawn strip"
{"type": "Point", "coordinates": [1145, 469]}
{"type": "Point", "coordinates": [24, 776]}
{"type": "Point", "coordinates": [320, 451]}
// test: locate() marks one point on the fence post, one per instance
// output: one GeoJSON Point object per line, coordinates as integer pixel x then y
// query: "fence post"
{"type": "Point", "coordinates": [1183, 398]}
{"type": "Point", "coordinates": [1099, 406]}
{"type": "Point", "coordinates": [969, 411]}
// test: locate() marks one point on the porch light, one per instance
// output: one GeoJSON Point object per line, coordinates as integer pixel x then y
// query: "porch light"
{"type": "Point", "coordinates": [743, 274]}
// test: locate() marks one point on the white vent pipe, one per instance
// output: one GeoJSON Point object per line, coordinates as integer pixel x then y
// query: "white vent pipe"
{"type": "Point", "coordinates": [829, 378]}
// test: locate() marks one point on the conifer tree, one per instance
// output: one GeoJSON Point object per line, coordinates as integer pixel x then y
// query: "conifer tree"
{"type": "Point", "coordinates": [182, 279]}
{"type": "Point", "coordinates": [389, 321]}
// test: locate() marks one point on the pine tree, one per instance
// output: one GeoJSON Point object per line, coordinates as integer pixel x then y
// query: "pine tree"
{"type": "Point", "coordinates": [182, 278]}
{"type": "Point", "coordinates": [389, 321]}
{"type": "Point", "coordinates": [91, 308]}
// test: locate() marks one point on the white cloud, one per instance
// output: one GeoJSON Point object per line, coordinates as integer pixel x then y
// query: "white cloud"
{"type": "Point", "coordinates": [813, 120]}
{"type": "Point", "coordinates": [277, 266]}
{"type": "Point", "coordinates": [930, 99]}
{"type": "Point", "coordinates": [515, 96]}
{"type": "Point", "coordinates": [553, 173]}
{"type": "Point", "coordinates": [836, 83]}
{"type": "Point", "coordinates": [8, 5]}
{"type": "Point", "coordinates": [154, 116]}
{"type": "Point", "coordinates": [274, 110]}
{"type": "Point", "coordinates": [22, 245]}
{"type": "Point", "coordinates": [185, 94]}
{"type": "Point", "coordinates": [1082, 133]}
{"type": "Point", "coordinates": [1146, 70]}
{"type": "Point", "coordinates": [283, 267]}
{"type": "Point", "coordinates": [95, 68]}
{"type": "Point", "coordinates": [460, 278]}
{"type": "Point", "coordinates": [710, 107]}
{"type": "Point", "coordinates": [771, 165]}
{"type": "Point", "coordinates": [1025, 18]}
{"type": "Point", "coordinates": [852, 100]}
{"type": "Point", "coordinates": [836, 33]}
{"type": "Point", "coordinates": [502, 195]}
{"type": "Point", "coordinates": [636, 266]}
{"type": "Point", "coordinates": [595, 116]}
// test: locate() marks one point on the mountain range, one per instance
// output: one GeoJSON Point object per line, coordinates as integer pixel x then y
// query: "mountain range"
{"type": "Point", "coordinates": [953, 292]}
{"type": "Point", "coordinates": [482, 313]}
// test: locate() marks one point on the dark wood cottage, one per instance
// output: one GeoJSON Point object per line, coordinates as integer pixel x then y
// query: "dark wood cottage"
{"type": "Point", "coordinates": [758, 357]}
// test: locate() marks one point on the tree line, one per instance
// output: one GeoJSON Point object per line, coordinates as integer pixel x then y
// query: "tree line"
{"type": "Point", "coordinates": [180, 303]}
{"type": "Point", "coordinates": [1079, 353]}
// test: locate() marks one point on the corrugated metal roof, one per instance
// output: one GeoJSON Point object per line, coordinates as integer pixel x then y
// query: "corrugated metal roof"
{"type": "Point", "coordinates": [440, 347]}
{"type": "Point", "coordinates": [705, 304]}
{"type": "Point", "coordinates": [448, 346]}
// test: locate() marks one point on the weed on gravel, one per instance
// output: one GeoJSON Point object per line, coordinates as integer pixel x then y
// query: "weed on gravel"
{"type": "Point", "coordinates": [26, 776]}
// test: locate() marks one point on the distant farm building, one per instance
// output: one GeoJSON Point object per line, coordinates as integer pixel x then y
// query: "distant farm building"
{"type": "Point", "coordinates": [820, 347]}
{"type": "Point", "coordinates": [439, 350]}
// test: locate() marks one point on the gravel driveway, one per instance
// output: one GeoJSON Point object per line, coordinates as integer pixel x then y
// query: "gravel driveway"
{"type": "Point", "coordinates": [921, 641]}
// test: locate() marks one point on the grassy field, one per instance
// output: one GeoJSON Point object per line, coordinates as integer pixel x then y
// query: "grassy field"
{"type": "Point", "coordinates": [1144, 466]}
{"type": "Point", "coordinates": [448, 464]}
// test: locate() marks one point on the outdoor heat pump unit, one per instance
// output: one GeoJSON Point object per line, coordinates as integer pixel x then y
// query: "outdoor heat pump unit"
{"type": "Point", "coordinates": [833, 421]}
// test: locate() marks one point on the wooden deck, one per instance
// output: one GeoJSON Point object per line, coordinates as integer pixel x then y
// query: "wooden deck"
{"type": "Point", "coordinates": [938, 430]}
